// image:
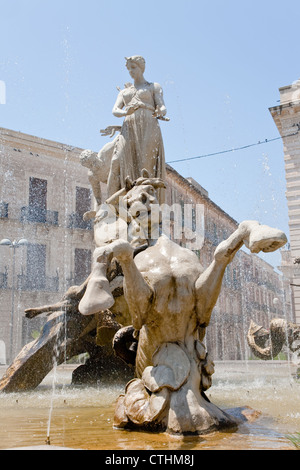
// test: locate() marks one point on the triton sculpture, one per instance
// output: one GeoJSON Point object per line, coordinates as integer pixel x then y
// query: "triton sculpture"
{"type": "Point", "coordinates": [267, 344]}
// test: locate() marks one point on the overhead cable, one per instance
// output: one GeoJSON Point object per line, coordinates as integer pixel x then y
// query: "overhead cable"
{"type": "Point", "coordinates": [266, 141]}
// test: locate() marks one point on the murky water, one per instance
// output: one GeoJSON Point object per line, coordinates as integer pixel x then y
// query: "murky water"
{"type": "Point", "coordinates": [81, 417]}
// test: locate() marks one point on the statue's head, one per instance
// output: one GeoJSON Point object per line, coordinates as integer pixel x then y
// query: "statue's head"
{"type": "Point", "coordinates": [88, 158]}
{"type": "Point", "coordinates": [142, 212]}
{"type": "Point", "coordinates": [137, 60]}
{"type": "Point", "coordinates": [138, 204]}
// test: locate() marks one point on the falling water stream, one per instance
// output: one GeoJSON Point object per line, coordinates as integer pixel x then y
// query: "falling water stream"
{"type": "Point", "coordinates": [54, 380]}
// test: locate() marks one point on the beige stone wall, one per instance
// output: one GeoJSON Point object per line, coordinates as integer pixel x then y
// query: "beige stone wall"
{"type": "Point", "coordinates": [287, 120]}
{"type": "Point", "coordinates": [21, 157]}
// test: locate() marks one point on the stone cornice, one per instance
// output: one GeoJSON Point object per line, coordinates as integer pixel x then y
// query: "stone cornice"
{"type": "Point", "coordinates": [290, 109]}
{"type": "Point", "coordinates": [38, 145]}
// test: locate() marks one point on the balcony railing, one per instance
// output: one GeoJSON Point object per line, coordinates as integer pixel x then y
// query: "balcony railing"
{"type": "Point", "coordinates": [41, 283]}
{"type": "Point", "coordinates": [3, 279]}
{"type": "Point", "coordinates": [33, 214]}
{"type": "Point", "coordinates": [3, 210]}
{"type": "Point", "coordinates": [76, 221]}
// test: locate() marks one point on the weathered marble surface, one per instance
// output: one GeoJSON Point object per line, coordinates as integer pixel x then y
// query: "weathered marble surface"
{"type": "Point", "coordinates": [165, 311]}
{"type": "Point", "coordinates": [139, 144]}
{"type": "Point", "coordinates": [168, 299]}
{"type": "Point", "coordinates": [148, 284]}
{"type": "Point", "coordinates": [267, 344]}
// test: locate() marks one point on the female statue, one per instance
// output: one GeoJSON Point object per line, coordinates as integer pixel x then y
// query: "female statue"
{"type": "Point", "coordinates": [139, 145]}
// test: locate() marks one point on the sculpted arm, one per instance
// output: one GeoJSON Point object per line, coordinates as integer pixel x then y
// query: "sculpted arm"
{"type": "Point", "coordinates": [118, 110]}
{"type": "Point", "coordinates": [138, 293]}
{"type": "Point", "coordinates": [208, 285]}
{"type": "Point", "coordinates": [96, 187]}
{"type": "Point", "coordinates": [256, 237]}
{"type": "Point", "coordinates": [160, 108]}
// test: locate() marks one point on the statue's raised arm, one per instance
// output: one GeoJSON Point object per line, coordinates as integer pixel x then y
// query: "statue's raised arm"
{"type": "Point", "coordinates": [160, 108]}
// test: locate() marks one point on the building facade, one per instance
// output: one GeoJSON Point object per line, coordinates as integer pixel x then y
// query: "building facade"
{"type": "Point", "coordinates": [251, 290]}
{"type": "Point", "coordinates": [287, 119]}
{"type": "Point", "coordinates": [44, 191]}
{"type": "Point", "coordinates": [43, 194]}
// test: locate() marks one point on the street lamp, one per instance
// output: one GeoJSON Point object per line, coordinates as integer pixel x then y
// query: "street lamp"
{"type": "Point", "coordinates": [14, 245]}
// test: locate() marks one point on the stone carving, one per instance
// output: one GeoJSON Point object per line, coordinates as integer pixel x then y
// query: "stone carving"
{"type": "Point", "coordinates": [112, 220]}
{"type": "Point", "coordinates": [267, 344]}
{"type": "Point", "coordinates": [68, 333]}
{"type": "Point", "coordinates": [139, 144]}
{"type": "Point", "coordinates": [146, 295]}
{"type": "Point", "coordinates": [170, 299]}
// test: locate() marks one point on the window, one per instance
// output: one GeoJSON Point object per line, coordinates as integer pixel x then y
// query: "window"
{"type": "Point", "coordinates": [3, 210]}
{"type": "Point", "coordinates": [82, 265]}
{"type": "Point", "coordinates": [36, 267]}
{"type": "Point", "coordinates": [38, 193]}
{"type": "Point", "coordinates": [83, 200]}
{"type": "Point", "coordinates": [82, 205]}
{"type": "Point", "coordinates": [37, 199]}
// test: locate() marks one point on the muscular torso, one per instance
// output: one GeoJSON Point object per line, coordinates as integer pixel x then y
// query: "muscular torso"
{"type": "Point", "coordinates": [172, 272]}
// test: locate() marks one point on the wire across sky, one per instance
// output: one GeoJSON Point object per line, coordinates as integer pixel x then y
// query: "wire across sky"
{"type": "Point", "coordinates": [266, 141]}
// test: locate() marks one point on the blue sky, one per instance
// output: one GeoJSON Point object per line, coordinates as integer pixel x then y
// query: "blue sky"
{"type": "Point", "coordinates": [220, 64]}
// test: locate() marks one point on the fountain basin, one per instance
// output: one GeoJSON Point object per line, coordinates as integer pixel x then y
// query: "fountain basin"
{"type": "Point", "coordinates": [82, 416]}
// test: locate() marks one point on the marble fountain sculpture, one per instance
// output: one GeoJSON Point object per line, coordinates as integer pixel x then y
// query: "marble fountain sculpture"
{"type": "Point", "coordinates": [149, 297]}
{"type": "Point", "coordinates": [266, 344]}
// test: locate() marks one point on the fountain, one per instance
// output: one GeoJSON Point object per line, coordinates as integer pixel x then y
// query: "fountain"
{"type": "Point", "coordinates": [148, 299]}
